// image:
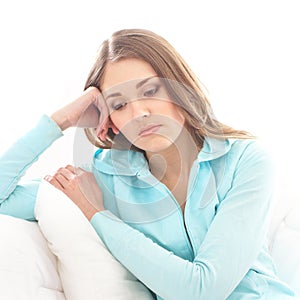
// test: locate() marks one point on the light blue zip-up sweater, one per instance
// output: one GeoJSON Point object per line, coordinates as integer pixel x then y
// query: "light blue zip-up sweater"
{"type": "Point", "coordinates": [216, 251]}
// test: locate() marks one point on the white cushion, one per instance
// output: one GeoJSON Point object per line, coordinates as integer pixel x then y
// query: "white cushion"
{"type": "Point", "coordinates": [285, 247]}
{"type": "Point", "coordinates": [86, 267]}
{"type": "Point", "coordinates": [27, 266]}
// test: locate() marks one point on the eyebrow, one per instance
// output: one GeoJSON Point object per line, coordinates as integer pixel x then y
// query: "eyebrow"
{"type": "Point", "coordinates": [138, 85]}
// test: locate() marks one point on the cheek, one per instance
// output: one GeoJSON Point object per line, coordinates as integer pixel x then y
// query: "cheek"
{"type": "Point", "coordinates": [180, 117]}
{"type": "Point", "coordinates": [118, 120]}
{"type": "Point", "coordinates": [123, 123]}
{"type": "Point", "coordinates": [176, 113]}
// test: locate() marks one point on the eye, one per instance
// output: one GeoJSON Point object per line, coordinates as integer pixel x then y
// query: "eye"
{"type": "Point", "coordinates": [119, 105]}
{"type": "Point", "coordinates": [151, 91]}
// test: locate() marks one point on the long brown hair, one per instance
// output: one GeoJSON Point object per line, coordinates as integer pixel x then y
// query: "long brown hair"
{"type": "Point", "coordinates": [169, 65]}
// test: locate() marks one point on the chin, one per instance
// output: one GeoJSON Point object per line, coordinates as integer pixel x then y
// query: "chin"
{"type": "Point", "coordinates": [153, 144]}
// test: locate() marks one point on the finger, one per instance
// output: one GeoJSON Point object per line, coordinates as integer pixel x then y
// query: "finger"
{"type": "Point", "coordinates": [102, 130]}
{"type": "Point", "coordinates": [79, 171]}
{"type": "Point", "coordinates": [93, 92]}
{"type": "Point", "coordinates": [103, 134]}
{"type": "Point", "coordinates": [53, 182]}
{"type": "Point", "coordinates": [62, 180]}
{"type": "Point", "coordinates": [113, 127]}
{"type": "Point", "coordinates": [68, 172]}
{"type": "Point", "coordinates": [71, 168]}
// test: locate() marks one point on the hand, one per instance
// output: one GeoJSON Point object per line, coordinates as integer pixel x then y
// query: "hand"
{"type": "Point", "coordinates": [81, 187]}
{"type": "Point", "coordinates": [89, 110]}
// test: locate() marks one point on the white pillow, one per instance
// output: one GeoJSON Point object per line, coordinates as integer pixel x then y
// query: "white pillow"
{"type": "Point", "coordinates": [286, 248]}
{"type": "Point", "coordinates": [86, 267]}
{"type": "Point", "coordinates": [27, 266]}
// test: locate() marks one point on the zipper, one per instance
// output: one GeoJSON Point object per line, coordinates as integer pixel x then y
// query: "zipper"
{"type": "Point", "coordinates": [187, 234]}
{"type": "Point", "coordinates": [191, 185]}
{"type": "Point", "coordinates": [182, 222]}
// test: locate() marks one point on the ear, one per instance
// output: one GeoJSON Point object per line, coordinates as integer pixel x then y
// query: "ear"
{"type": "Point", "coordinates": [113, 127]}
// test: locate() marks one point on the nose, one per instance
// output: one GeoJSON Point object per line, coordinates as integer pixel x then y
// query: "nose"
{"type": "Point", "coordinates": [139, 109]}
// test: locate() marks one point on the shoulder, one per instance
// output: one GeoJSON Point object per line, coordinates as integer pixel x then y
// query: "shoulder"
{"type": "Point", "coordinates": [119, 162]}
{"type": "Point", "coordinates": [233, 150]}
{"type": "Point", "coordinates": [249, 150]}
{"type": "Point", "coordinates": [251, 160]}
{"type": "Point", "coordinates": [243, 157]}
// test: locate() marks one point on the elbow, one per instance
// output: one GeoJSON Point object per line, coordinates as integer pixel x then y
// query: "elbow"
{"type": "Point", "coordinates": [206, 282]}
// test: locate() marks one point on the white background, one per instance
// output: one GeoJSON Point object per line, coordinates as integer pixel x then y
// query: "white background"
{"type": "Point", "coordinates": [245, 52]}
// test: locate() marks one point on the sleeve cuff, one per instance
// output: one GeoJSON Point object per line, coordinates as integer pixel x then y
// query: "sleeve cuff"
{"type": "Point", "coordinates": [43, 135]}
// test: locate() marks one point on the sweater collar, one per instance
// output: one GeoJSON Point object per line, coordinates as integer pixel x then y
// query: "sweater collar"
{"type": "Point", "coordinates": [132, 163]}
{"type": "Point", "coordinates": [214, 148]}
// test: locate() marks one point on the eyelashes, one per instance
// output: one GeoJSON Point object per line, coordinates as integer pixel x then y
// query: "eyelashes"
{"type": "Point", "coordinates": [152, 91]}
{"type": "Point", "coordinates": [119, 104]}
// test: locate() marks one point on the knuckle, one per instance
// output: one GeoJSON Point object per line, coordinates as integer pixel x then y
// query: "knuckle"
{"type": "Point", "coordinates": [70, 168]}
{"type": "Point", "coordinates": [73, 178]}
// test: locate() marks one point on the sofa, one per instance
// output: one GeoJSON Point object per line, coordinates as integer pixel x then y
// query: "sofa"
{"type": "Point", "coordinates": [60, 257]}
{"type": "Point", "coordinates": [284, 237]}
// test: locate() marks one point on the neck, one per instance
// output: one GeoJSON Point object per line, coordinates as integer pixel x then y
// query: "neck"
{"type": "Point", "coordinates": [175, 161]}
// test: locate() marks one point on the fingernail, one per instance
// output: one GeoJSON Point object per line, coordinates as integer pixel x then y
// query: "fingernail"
{"type": "Point", "coordinates": [47, 177]}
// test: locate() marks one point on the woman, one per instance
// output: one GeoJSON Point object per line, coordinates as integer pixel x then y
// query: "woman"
{"type": "Point", "coordinates": [180, 199]}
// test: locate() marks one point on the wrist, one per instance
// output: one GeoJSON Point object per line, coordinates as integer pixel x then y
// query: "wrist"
{"type": "Point", "coordinates": [61, 121]}
{"type": "Point", "coordinates": [88, 209]}
{"type": "Point", "coordinates": [90, 212]}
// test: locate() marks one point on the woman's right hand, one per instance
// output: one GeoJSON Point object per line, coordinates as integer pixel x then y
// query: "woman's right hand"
{"type": "Point", "coordinates": [89, 111]}
{"type": "Point", "coordinates": [80, 186]}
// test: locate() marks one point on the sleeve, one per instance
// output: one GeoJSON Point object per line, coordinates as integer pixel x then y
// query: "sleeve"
{"type": "Point", "coordinates": [231, 245]}
{"type": "Point", "coordinates": [18, 199]}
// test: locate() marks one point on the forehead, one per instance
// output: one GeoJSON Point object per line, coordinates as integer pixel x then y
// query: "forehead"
{"type": "Point", "coordinates": [125, 70]}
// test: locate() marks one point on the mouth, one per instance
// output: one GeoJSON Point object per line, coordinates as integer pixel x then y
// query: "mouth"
{"type": "Point", "coordinates": [148, 130]}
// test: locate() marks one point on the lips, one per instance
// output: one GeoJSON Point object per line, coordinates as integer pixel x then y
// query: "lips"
{"type": "Point", "coordinates": [149, 130]}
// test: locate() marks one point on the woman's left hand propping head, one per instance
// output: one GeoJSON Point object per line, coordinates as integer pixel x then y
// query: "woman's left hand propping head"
{"type": "Point", "coordinates": [80, 186]}
{"type": "Point", "coordinates": [104, 119]}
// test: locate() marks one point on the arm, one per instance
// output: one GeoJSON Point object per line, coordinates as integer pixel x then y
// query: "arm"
{"type": "Point", "coordinates": [18, 199]}
{"type": "Point", "coordinates": [232, 243]}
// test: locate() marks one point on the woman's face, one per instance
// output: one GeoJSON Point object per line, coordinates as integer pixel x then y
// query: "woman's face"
{"type": "Point", "coordinates": [140, 106]}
